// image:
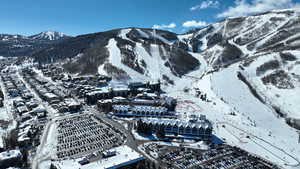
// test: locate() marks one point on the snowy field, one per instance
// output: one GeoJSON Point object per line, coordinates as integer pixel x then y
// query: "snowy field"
{"type": "Point", "coordinates": [239, 118]}
{"type": "Point", "coordinates": [286, 99]}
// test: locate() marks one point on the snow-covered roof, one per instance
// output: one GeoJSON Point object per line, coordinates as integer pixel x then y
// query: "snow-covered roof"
{"type": "Point", "coordinates": [198, 124]}
{"type": "Point", "coordinates": [121, 107]}
{"type": "Point", "coordinates": [154, 82]}
{"type": "Point", "coordinates": [71, 102]}
{"type": "Point", "coordinates": [149, 109]}
{"type": "Point", "coordinates": [105, 101]}
{"type": "Point", "coordinates": [119, 98]}
{"type": "Point", "coordinates": [39, 109]}
{"type": "Point", "coordinates": [121, 89]}
{"type": "Point", "coordinates": [99, 92]}
{"type": "Point", "coordinates": [124, 156]}
{"type": "Point", "coordinates": [10, 154]}
{"type": "Point", "coordinates": [50, 95]}
{"type": "Point", "coordinates": [1, 142]}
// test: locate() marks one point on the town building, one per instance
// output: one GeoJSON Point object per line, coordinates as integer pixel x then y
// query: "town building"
{"type": "Point", "coordinates": [142, 111]}
{"type": "Point", "coordinates": [72, 105]}
{"type": "Point", "coordinates": [115, 158]}
{"type": "Point", "coordinates": [11, 158]}
{"type": "Point", "coordinates": [198, 129]}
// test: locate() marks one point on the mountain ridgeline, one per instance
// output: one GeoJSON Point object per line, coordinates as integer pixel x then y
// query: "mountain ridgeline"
{"type": "Point", "coordinates": [18, 45]}
{"type": "Point", "coordinates": [220, 44]}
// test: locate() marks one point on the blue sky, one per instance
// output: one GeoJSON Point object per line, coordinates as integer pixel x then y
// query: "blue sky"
{"type": "Point", "coordinates": [76, 17]}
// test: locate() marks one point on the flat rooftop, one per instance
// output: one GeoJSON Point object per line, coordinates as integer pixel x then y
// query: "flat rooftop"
{"type": "Point", "coordinates": [124, 156]}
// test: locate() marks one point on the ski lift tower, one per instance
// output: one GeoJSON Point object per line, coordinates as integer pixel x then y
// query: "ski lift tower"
{"type": "Point", "coordinates": [298, 131]}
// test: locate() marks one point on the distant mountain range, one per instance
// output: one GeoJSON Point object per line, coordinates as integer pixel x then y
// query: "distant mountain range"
{"type": "Point", "coordinates": [19, 45]}
{"type": "Point", "coordinates": [220, 44]}
{"type": "Point", "coordinates": [49, 35]}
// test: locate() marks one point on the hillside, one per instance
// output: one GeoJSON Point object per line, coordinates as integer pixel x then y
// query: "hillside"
{"type": "Point", "coordinates": [264, 45]}
{"type": "Point", "coordinates": [134, 51]}
{"type": "Point", "coordinates": [266, 48]}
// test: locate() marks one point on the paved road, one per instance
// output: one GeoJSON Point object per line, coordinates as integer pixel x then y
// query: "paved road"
{"type": "Point", "coordinates": [130, 140]}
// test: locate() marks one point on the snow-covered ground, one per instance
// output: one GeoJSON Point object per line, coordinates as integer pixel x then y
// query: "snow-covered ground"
{"type": "Point", "coordinates": [155, 64]}
{"type": "Point", "coordinates": [47, 149]}
{"type": "Point", "coordinates": [273, 137]}
{"type": "Point", "coordinates": [253, 126]}
{"type": "Point", "coordinates": [115, 58]}
{"type": "Point", "coordinates": [40, 74]}
{"type": "Point", "coordinates": [286, 99]}
{"type": "Point", "coordinates": [6, 114]}
{"type": "Point", "coordinates": [239, 118]}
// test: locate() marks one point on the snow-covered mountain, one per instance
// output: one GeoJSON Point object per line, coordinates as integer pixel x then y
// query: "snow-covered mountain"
{"type": "Point", "coordinates": [49, 35]}
{"type": "Point", "coordinates": [8, 37]}
{"type": "Point", "coordinates": [265, 46]}
{"type": "Point", "coordinates": [248, 67]}
{"type": "Point", "coordinates": [129, 52]}
{"type": "Point", "coordinates": [19, 45]}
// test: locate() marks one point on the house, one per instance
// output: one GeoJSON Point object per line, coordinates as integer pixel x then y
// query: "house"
{"type": "Point", "coordinates": [72, 104]}
{"type": "Point", "coordinates": [22, 109]}
{"type": "Point", "coordinates": [2, 144]}
{"type": "Point", "coordinates": [1, 102]}
{"type": "Point", "coordinates": [94, 96]}
{"type": "Point", "coordinates": [39, 111]}
{"type": "Point", "coordinates": [51, 98]}
{"type": "Point", "coordinates": [136, 85]}
{"type": "Point", "coordinates": [121, 91]}
{"type": "Point", "coordinates": [154, 86]}
{"type": "Point", "coordinates": [105, 105]}
{"type": "Point", "coordinates": [169, 102]}
{"type": "Point", "coordinates": [11, 158]}
{"type": "Point", "coordinates": [13, 92]}
{"type": "Point", "coordinates": [32, 104]}
{"type": "Point", "coordinates": [26, 95]}
{"type": "Point", "coordinates": [18, 102]}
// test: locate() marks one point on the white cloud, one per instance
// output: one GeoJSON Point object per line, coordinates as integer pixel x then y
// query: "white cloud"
{"type": "Point", "coordinates": [163, 26]}
{"type": "Point", "coordinates": [206, 4]}
{"type": "Point", "coordinates": [194, 23]}
{"type": "Point", "coordinates": [244, 8]}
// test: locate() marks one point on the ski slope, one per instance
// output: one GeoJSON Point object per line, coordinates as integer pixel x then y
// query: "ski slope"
{"type": "Point", "coordinates": [254, 126]}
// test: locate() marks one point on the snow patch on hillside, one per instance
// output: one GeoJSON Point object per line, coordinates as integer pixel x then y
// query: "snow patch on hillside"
{"type": "Point", "coordinates": [123, 34]}
{"type": "Point", "coordinates": [286, 99]}
{"type": "Point", "coordinates": [115, 58]}
{"type": "Point", "coordinates": [143, 34]}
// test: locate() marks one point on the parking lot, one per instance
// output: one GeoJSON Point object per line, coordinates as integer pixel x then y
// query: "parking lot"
{"type": "Point", "coordinates": [218, 156]}
{"type": "Point", "coordinates": [84, 133]}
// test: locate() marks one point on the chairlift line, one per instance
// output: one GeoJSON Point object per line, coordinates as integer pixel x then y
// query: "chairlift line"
{"type": "Point", "coordinates": [157, 57]}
